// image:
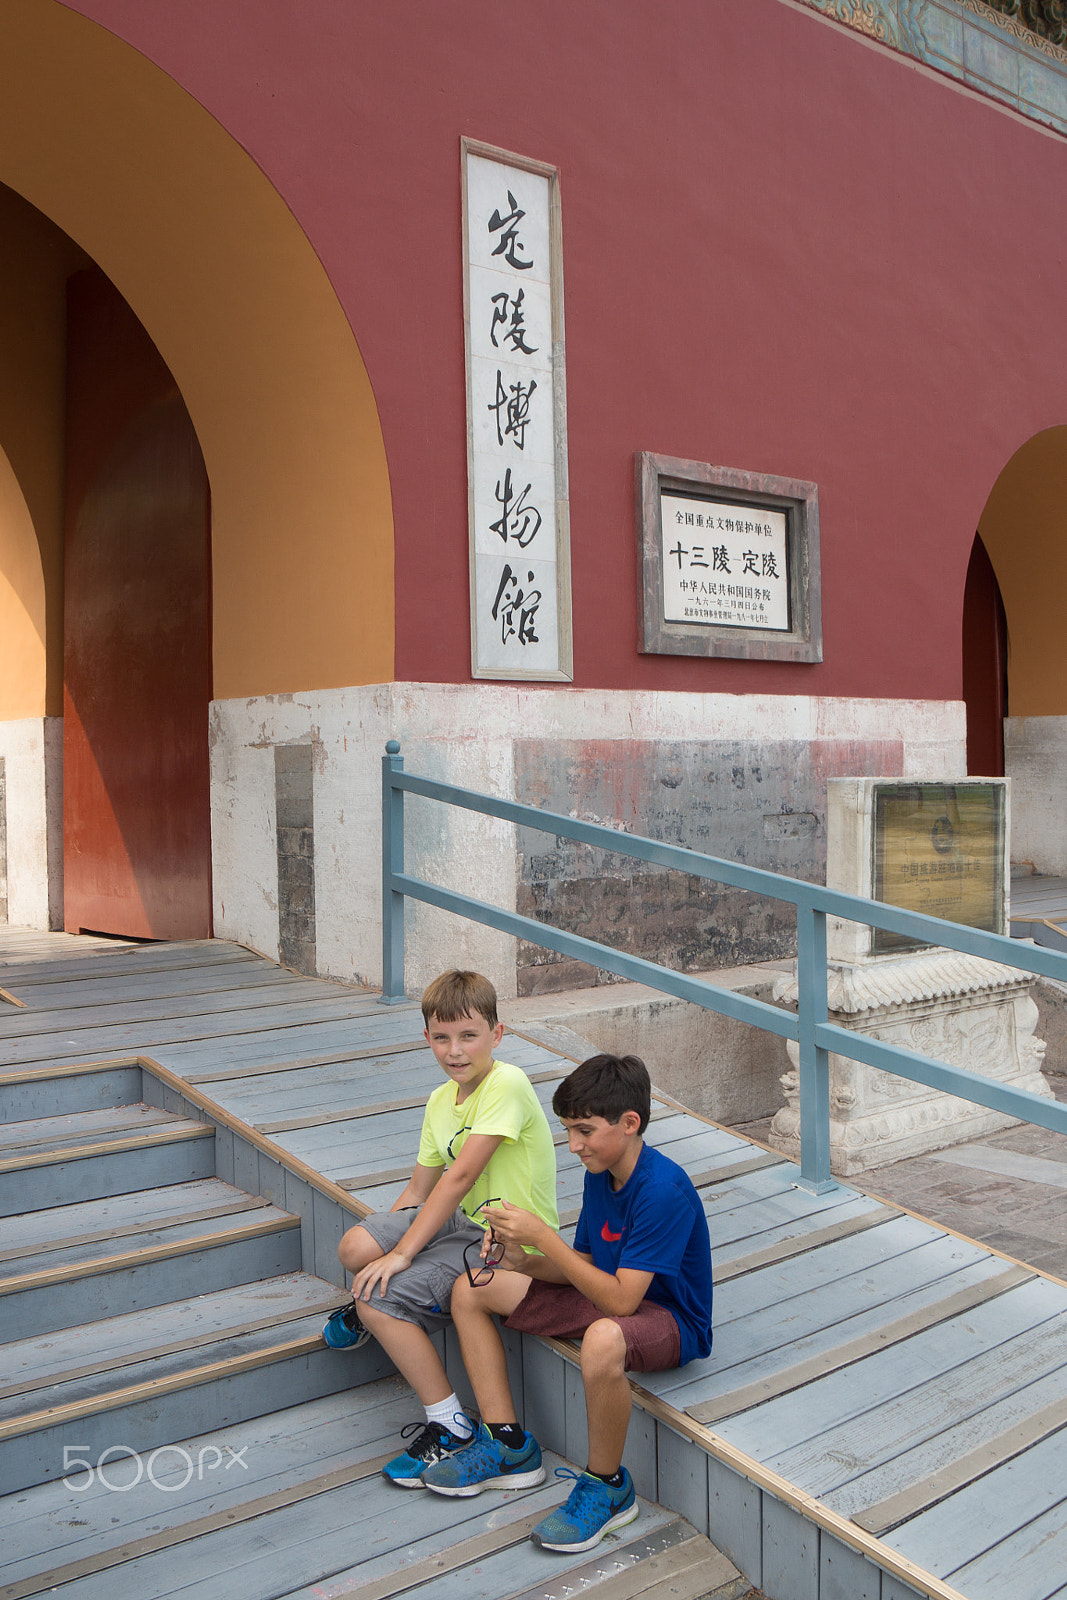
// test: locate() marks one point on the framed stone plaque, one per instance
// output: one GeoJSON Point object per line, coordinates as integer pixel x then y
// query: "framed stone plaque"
{"type": "Point", "coordinates": [729, 562]}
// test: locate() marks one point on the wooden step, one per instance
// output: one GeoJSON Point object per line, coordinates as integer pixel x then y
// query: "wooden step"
{"type": "Point", "coordinates": [26, 1026]}
{"type": "Point", "coordinates": [174, 1150]}
{"type": "Point", "coordinates": [143, 1380]}
{"type": "Point", "coordinates": [60, 1132]}
{"type": "Point", "coordinates": [296, 1503]}
{"type": "Point", "coordinates": [119, 1342]}
{"type": "Point", "coordinates": [53, 1292]}
{"type": "Point", "coordinates": [40, 1092]}
{"type": "Point", "coordinates": [118, 1217]}
{"type": "Point", "coordinates": [116, 987]}
{"type": "Point", "coordinates": [63, 1042]}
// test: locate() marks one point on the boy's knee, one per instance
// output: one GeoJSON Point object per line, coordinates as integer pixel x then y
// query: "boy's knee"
{"type": "Point", "coordinates": [465, 1299]}
{"type": "Point", "coordinates": [357, 1249]}
{"type": "Point", "coordinates": [461, 1296]}
{"type": "Point", "coordinates": [603, 1348]}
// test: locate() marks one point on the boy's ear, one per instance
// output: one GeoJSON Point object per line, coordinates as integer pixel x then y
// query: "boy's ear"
{"type": "Point", "coordinates": [631, 1121]}
{"type": "Point", "coordinates": [498, 1034]}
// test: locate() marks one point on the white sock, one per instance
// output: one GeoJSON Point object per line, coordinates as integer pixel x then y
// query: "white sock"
{"type": "Point", "coordinates": [449, 1413]}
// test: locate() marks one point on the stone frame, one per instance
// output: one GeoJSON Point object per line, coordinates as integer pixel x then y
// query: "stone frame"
{"type": "Point", "coordinates": [799, 501]}
{"type": "Point", "coordinates": [563, 671]}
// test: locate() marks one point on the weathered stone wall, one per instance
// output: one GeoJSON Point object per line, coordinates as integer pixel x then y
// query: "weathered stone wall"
{"type": "Point", "coordinates": [737, 775]}
{"type": "Point", "coordinates": [758, 801]}
{"type": "Point", "coordinates": [1035, 759]}
{"type": "Point", "coordinates": [295, 822]}
{"type": "Point", "coordinates": [31, 822]}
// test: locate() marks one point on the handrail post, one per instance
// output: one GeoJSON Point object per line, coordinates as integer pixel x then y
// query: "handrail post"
{"type": "Point", "coordinates": [814, 1063]}
{"type": "Point", "coordinates": [392, 865]}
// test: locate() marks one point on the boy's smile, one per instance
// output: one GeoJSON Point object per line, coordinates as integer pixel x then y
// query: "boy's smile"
{"type": "Point", "coordinates": [464, 1049]}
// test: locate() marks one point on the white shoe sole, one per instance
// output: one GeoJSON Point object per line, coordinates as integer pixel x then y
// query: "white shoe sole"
{"type": "Point", "coordinates": [512, 1480]}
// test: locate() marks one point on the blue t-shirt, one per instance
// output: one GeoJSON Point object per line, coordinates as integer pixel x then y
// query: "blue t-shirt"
{"type": "Point", "coordinates": [654, 1223]}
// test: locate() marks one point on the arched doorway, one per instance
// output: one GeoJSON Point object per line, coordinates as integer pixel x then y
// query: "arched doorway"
{"type": "Point", "coordinates": [1024, 531]}
{"type": "Point", "coordinates": [153, 189]}
{"type": "Point", "coordinates": [985, 665]}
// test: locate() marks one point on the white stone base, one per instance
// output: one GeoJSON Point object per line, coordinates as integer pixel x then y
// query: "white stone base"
{"type": "Point", "coordinates": [32, 749]}
{"type": "Point", "coordinates": [970, 1013]}
{"type": "Point", "coordinates": [466, 734]}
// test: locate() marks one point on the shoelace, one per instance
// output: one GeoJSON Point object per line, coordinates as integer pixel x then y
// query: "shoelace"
{"type": "Point", "coordinates": [584, 1484]}
{"type": "Point", "coordinates": [429, 1433]}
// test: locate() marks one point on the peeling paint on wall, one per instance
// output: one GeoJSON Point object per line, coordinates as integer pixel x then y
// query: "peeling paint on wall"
{"type": "Point", "coordinates": [759, 802]}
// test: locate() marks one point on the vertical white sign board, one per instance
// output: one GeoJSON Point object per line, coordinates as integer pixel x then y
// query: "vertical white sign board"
{"type": "Point", "coordinates": [516, 418]}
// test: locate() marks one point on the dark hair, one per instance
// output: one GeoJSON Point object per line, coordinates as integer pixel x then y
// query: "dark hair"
{"type": "Point", "coordinates": [606, 1086]}
{"type": "Point", "coordinates": [459, 994]}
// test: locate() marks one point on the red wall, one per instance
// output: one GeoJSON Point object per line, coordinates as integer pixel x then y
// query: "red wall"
{"type": "Point", "coordinates": [784, 250]}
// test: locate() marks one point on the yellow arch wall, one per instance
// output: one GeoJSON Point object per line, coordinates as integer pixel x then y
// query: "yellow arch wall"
{"type": "Point", "coordinates": [22, 606]}
{"type": "Point", "coordinates": [216, 267]}
{"type": "Point", "coordinates": [1024, 529]}
{"type": "Point", "coordinates": [35, 261]}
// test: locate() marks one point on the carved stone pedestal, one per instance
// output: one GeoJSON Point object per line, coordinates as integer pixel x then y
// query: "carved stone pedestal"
{"type": "Point", "coordinates": [956, 1008]}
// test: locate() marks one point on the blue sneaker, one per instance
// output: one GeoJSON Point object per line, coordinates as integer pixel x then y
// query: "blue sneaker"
{"type": "Point", "coordinates": [343, 1330]}
{"type": "Point", "coordinates": [485, 1463]}
{"type": "Point", "coordinates": [434, 1443]}
{"type": "Point", "coordinates": [590, 1511]}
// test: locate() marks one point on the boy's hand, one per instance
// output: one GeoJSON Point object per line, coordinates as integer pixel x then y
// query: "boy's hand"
{"type": "Point", "coordinates": [378, 1272]}
{"type": "Point", "coordinates": [514, 1258]}
{"type": "Point", "coordinates": [514, 1226]}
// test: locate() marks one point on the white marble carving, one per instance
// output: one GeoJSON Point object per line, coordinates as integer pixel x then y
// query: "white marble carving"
{"type": "Point", "coordinates": [970, 1013]}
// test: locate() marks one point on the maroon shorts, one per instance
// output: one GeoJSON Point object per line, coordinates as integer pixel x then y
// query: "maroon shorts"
{"type": "Point", "coordinates": [653, 1342]}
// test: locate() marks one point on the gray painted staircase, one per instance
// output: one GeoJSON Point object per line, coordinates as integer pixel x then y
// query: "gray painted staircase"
{"type": "Point", "coordinates": [202, 1439]}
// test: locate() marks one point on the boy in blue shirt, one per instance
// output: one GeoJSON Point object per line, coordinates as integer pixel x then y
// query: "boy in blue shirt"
{"type": "Point", "coordinates": [636, 1289]}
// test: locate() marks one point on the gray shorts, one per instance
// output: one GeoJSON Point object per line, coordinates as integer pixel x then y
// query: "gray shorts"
{"type": "Point", "coordinates": [423, 1291]}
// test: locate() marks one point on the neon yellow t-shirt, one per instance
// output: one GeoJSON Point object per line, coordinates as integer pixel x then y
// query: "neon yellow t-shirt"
{"type": "Point", "coordinates": [522, 1168]}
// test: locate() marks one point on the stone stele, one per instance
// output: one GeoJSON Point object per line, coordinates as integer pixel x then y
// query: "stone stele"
{"type": "Point", "coordinates": [957, 1008]}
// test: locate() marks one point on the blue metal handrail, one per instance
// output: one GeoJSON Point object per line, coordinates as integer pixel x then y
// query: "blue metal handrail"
{"type": "Point", "coordinates": [810, 1027]}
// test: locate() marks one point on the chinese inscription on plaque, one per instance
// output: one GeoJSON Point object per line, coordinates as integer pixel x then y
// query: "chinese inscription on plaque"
{"type": "Point", "coordinates": [514, 423]}
{"type": "Point", "coordinates": [724, 563]}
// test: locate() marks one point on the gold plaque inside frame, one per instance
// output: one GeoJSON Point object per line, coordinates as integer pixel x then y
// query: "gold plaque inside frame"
{"type": "Point", "coordinates": [939, 849]}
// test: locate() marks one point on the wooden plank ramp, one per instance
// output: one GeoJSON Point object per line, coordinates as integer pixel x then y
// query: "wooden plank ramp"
{"type": "Point", "coordinates": [161, 1349]}
{"type": "Point", "coordinates": [1039, 909]}
{"type": "Point", "coordinates": [884, 1413]}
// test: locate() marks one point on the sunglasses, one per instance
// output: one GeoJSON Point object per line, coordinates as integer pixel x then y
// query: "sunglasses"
{"type": "Point", "coordinates": [457, 1135]}
{"type": "Point", "coordinates": [481, 1274]}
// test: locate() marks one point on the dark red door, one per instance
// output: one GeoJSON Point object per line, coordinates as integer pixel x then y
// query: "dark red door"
{"type": "Point", "coordinates": [136, 829]}
{"type": "Point", "coordinates": [985, 666]}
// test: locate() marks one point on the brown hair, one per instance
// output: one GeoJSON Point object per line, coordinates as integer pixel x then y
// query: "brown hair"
{"type": "Point", "coordinates": [459, 994]}
{"type": "Point", "coordinates": [606, 1086]}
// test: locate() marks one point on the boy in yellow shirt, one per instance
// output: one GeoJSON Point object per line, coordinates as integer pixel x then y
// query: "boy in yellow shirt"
{"type": "Point", "coordinates": [484, 1139]}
